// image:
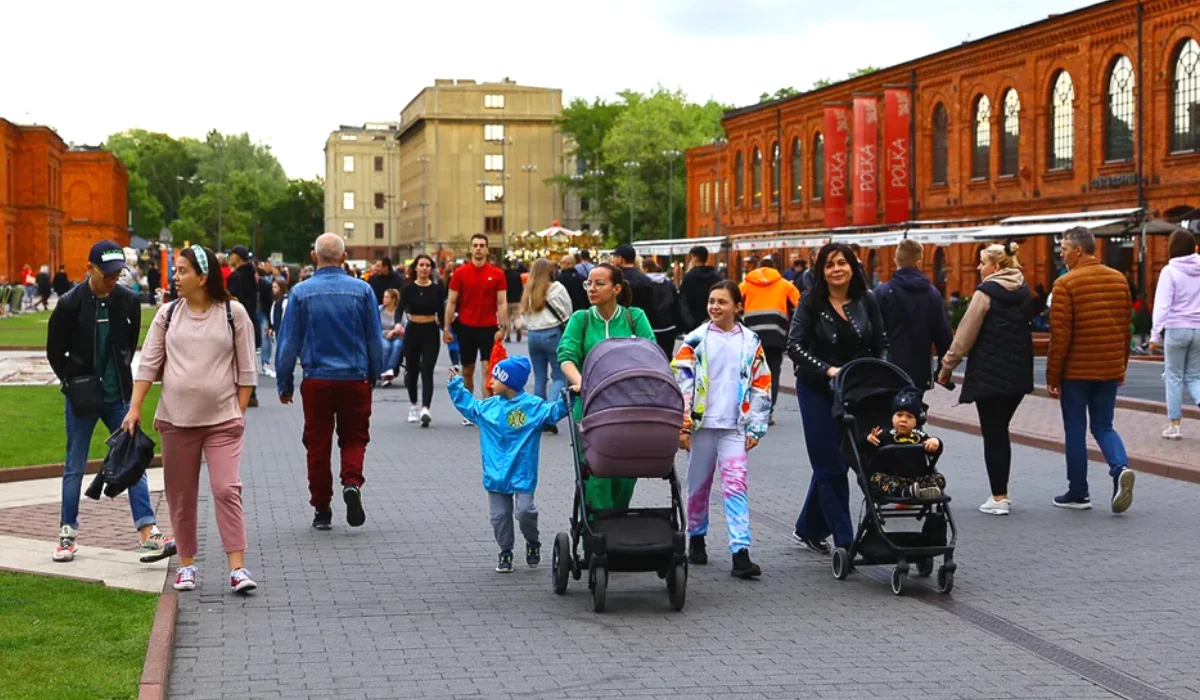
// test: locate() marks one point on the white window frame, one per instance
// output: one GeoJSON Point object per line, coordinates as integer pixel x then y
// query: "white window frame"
{"type": "Point", "coordinates": [348, 201]}
{"type": "Point", "coordinates": [493, 101]}
{"type": "Point", "coordinates": [348, 229]}
{"type": "Point", "coordinates": [493, 132]}
{"type": "Point", "coordinates": [493, 162]}
{"type": "Point", "coordinates": [493, 193]}
{"type": "Point", "coordinates": [349, 137]}
{"type": "Point", "coordinates": [347, 164]}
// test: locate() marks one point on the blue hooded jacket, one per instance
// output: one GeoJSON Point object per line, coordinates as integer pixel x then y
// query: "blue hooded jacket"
{"type": "Point", "coordinates": [916, 318]}
{"type": "Point", "coordinates": [510, 435]}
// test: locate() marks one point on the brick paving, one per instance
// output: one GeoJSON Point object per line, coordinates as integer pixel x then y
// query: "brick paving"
{"type": "Point", "coordinates": [105, 523]}
{"type": "Point", "coordinates": [409, 606]}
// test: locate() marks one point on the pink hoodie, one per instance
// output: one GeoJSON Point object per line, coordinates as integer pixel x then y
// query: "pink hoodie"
{"type": "Point", "coordinates": [1177, 297]}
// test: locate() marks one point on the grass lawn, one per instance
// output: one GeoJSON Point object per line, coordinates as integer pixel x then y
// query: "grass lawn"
{"type": "Point", "coordinates": [69, 639]}
{"type": "Point", "coordinates": [32, 429]}
{"type": "Point", "coordinates": [29, 330]}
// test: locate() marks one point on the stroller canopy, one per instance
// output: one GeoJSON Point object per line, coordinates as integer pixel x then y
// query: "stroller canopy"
{"type": "Point", "coordinates": [628, 373]}
{"type": "Point", "coordinates": [867, 382]}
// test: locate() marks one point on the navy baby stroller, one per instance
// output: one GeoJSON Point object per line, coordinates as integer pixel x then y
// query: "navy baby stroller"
{"type": "Point", "coordinates": [862, 399]}
{"type": "Point", "coordinates": [632, 413]}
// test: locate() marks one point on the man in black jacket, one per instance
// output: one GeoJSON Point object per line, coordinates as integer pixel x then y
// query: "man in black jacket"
{"type": "Point", "coordinates": [625, 257]}
{"type": "Point", "coordinates": [385, 278]}
{"type": "Point", "coordinates": [915, 316]}
{"type": "Point", "coordinates": [697, 283]}
{"type": "Point", "coordinates": [61, 284]}
{"type": "Point", "coordinates": [90, 342]}
{"type": "Point", "coordinates": [570, 278]}
{"type": "Point", "coordinates": [243, 285]}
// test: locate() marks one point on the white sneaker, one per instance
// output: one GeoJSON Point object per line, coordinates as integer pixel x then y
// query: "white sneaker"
{"type": "Point", "coordinates": [269, 371]}
{"type": "Point", "coordinates": [426, 418]}
{"type": "Point", "coordinates": [414, 413]}
{"type": "Point", "coordinates": [994, 507]}
{"type": "Point", "coordinates": [65, 551]}
{"type": "Point", "coordinates": [185, 578]}
{"type": "Point", "coordinates": [1172, 432]}
{"type": "Point", "coordinates": [240, 581]}
{"type": "Point", "coordinates": [466, 423]}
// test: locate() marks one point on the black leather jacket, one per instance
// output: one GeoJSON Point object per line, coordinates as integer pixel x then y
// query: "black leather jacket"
{"type": "Point", "coordinates": [812, 338]}
{"type": "Point", "coordinates": [71, 337]}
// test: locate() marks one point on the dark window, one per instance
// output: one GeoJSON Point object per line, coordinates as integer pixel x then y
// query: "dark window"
{"type": "Point", "coordinates": [378, 164]}
{"type": "Point", "coordinates": [983, 139]}
{"type": "Point", "coordinates": [1185, 97]}
{"type": "Point", "coordinates": [819, 167]}
{"type": "Point", "coordinates": [493, 224]}
{"type": "Point", "coordinates": [797, 171]}
{"type": "Point", "coordinates": [1118, 132]}
{"type": "Point", "coordinates": [775, 174]}
{"type": "Point", "coordinates": [941, 145]}
{"type": "Point", "coordinates": [378, 231]}
{"type": "Point", "coordinates": [1010, 133]}
{"type": "Point", "coordinates": [756, 179]}
{"type": "Point", "coordinates": [379, 200]}
{"type": "Point", "coordinates": [739, 179]}
{"type": "Point", "coordinates": [1062, 123]}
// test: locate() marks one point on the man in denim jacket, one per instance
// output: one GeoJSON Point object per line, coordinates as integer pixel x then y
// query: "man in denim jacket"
{"type": "Point", "coordinates": [332, 326]}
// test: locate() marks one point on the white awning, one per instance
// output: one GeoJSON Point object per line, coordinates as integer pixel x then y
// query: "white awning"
{"type": "Point", "coordinates": [678, 246]}
{"type": "Point", "coordinates": [1102, 227]}
{"type": "Point", "coordinates": [781, 242]}
{"type": "Point", "coordinates": [1073, 216]}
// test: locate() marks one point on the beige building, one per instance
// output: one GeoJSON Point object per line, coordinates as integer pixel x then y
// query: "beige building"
{"type": "Point", "coordinates": [362, 188]}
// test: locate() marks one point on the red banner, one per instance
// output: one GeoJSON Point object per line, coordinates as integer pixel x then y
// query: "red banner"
{"type": "Point", "coordinates": [866, 159]}
{"type": "Point", "coordinates": [837, 129]}
{"type": "Point", "coordinates": [898, 154]}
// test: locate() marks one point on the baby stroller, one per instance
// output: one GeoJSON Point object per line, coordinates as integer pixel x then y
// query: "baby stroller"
{"type": "Point", "coordinates": [632, 413]}
{"type": "Point", "coordinates": [863, 392]}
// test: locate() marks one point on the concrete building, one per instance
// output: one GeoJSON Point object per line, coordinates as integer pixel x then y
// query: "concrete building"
{"type": "Point", "coordinates": [362, 185]}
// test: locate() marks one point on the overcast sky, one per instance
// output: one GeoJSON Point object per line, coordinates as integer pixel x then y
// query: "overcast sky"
{"type": "Point", "coordinates": [290, 72]}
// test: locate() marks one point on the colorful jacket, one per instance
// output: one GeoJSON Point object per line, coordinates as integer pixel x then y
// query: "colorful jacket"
{"type": "Point", "coordinates": [691, 373]}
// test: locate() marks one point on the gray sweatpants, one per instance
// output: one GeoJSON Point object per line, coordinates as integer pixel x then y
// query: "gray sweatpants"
{"type": "Point", "coordinates": [501, 506]}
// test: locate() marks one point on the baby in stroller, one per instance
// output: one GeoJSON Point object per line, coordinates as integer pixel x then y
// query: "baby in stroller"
{"type": "Point", "coordinates": [892, 475]}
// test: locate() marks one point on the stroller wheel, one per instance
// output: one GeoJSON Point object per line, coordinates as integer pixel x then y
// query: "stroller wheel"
{"type": "Point", "coordinates": [945, 579]}
{"type": "Point", "coordinates": [600, 588]}
{"type": "Point", "coordinates": [899, 577]}
{"type": "Point", "coordinates": [677, 586]}
{"type": "Point", "coordinates": [925, 567]}
{"type": "Point", "coordinates": [560, 562]}
{"type": "Point", "coordinates": [841, 563]}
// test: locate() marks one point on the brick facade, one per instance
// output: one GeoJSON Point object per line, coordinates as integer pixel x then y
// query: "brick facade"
{"type": "Point", "coordinates": [1086, 44]}
{"type": "Point", "coordinates": [94, 184]}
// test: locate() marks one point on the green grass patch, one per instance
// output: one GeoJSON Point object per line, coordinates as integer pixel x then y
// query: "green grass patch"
{"type": "Point", "coordinates": [33, 429]}
{"type": "Point", "coordinates": [69, 639]}
{"type": "Point", "coordinates": [29, 330]}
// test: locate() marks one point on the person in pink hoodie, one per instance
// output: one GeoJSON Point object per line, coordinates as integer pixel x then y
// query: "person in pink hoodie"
{"type": "Point", "coordinates": [1176, 327]}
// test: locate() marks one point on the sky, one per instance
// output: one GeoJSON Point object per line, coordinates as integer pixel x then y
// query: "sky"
{"type": "Point", "coordinates": [290, 72]}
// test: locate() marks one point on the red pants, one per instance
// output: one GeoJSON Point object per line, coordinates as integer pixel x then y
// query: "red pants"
{"type": "Point", "coordinates": [349, 402]}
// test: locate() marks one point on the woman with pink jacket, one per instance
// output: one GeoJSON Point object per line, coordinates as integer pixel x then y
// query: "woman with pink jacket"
{"type": "Point", "coordinates": [1176, 327]}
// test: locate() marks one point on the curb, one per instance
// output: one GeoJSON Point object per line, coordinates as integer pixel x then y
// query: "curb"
{"type": "Point", "coordinates": [52, 471]}
{"type": "Point", "coordinates": [157, 667]}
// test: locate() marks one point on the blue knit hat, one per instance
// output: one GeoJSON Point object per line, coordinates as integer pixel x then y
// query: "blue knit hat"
{"type": "Point", "coordinates": [513, 372]}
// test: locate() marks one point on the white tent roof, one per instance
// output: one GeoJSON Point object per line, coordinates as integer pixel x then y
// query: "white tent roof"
{"type": "Point", "coordinates": [557, 231]}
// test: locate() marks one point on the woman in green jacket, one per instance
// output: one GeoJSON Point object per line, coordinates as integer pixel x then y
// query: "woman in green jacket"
{"type": "Point", "coordinates": [585, 330]}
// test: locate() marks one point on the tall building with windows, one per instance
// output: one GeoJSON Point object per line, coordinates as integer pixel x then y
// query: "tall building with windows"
{"type": "Point", "coordinates": [362, 188]}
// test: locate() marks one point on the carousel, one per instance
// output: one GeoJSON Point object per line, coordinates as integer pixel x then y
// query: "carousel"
{"type": "Point", "coordinates": [551, 243]}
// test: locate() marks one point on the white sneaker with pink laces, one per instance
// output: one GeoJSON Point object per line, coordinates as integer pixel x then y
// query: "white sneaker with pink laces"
{"type": "Point", "coordinates": [185, 578]}
{"type": "Point", "coordinates": [240, 581]}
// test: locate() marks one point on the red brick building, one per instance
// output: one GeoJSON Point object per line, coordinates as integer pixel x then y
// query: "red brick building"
{"type": "Point", "coordinates": [94, 185]}
{"type": "Point", "coordinates": [1096, 110]}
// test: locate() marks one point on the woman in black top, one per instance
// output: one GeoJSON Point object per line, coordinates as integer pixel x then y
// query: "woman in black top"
{"type": "Point", "coordinates": [425, 302]}
{"type": "Point", "coordinates": [838, 321]}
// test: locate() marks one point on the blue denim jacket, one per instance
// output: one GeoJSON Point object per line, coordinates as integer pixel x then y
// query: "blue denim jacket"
{"type": "Point", "coordinates": [332, 325]}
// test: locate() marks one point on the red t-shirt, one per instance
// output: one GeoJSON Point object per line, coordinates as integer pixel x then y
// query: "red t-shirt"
{"type": "Point", "coordinates": [477, 288]}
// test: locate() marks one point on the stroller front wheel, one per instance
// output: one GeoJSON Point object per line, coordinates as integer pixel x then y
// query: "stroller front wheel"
{"type": "Point", "coordinates": [899, 578]}
{"type": "Point", "coordinates": [945, 579]}
{"type": "Point", "coordinates": [841, 563]}
{"type": "Point", "coordinates": [677, 586]}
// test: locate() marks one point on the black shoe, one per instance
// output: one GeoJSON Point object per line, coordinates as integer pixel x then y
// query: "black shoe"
{"type": "Point", "coordinates": [821, 547]}
{"type": "Point", "coordinates": [552, 429]}
{"type": "Point", "coordinates": [533, 554]}
{"type": "Point", "coordinates": [323, 520]}
{"type": "Point", "coordinates": [355, 516]}
{"type": "Point", "coordinates": [697, 552]}
{"type": "Point", "coordinates": [742, 566]}
{"type": "Point", "coordinates": [771, 420]}
{"type": "Point", "coordinates": [505, 565]}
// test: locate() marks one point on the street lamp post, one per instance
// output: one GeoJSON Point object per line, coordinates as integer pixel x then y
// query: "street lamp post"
{"type": "Point", "coordinates": [631, 165]}
{"type": "Point", "coordinates": [671, 155]}
{"type": "Point", "coordinates": [529, 169]}
{"type": "Point", "coordinates": [596, 174]}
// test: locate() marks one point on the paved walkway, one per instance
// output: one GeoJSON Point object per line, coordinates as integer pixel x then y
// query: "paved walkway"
{"type": "Point", "coordinates": [1048, 603]}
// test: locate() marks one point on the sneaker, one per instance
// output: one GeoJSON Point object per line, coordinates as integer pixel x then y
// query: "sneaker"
{"type": "Point", "coordinates": [65, 551]}
{"type": "Point", "coordinates": [240, 581]}
{"type": "Point", "coordinates": [533, 554]}
{"type": "Point", "coordinates": [185, 578]}
{"type": "Point", "coordinates": [1074, 502]}
{"type": "Point", "coordinates": [993, 507]}
{"type": "Point", "coordinates": [1123, 490]}
{"type": "Point", "coordinates": [505, 565]}
{"type": "Point", "coordinates": [269, 371]}
{"type": "Point", "coordinates": [355, 516]}
{"type": "Point", "coordinates": [926, 493]}
{"type": "Point", "coordinates": [157, 547]}
{"type": "Point", "coordinates": [771, 419]}
{"type": "Point", "coordinates": [426, 417]}
{"type": "Point", "coordinates": [1172, 432]}
{"type": "Point", "coordinates": [742, 566]}
{"type": "Point", "coordinates": [414, 413]}
{"type": "Point", "coordinates": [466, 423]}
{"type": "Point", "coordinates": [323, 520]}
{"type": "Point", "coordinates": [697, 550]}
{"type": "Point", "coordinates": [821, 547]}
{"type": "Point", "coordinates": [552, 429]}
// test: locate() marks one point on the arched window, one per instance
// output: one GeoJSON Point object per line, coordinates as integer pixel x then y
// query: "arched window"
{"type": "Point", "coordinates": [756, 179]}
{"type": "Point", "coordinates": [775, 174]}
{"type": "Point", "coordinates": [982, 152]}
{"type": "Point", "coordinates": [797, 170]}
{"type": "Point", "coordinates": [1062, 123]}
{"type": "Point", "coordinates": [941, 145]}
{"type": "Point", "coordinates": [1185, 97]}
{"type": "Point", "coordinates": [819, 167]}
{"type": "Point", "coordinates": [1118, 124]}
{"type": "Point", "coordinates": [739, 180]}
{"type": "Point", "coordinates": [1010, 133]}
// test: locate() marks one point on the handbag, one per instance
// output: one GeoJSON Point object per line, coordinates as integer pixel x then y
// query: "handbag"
{"type": "Point", "coordinates": [86, 394]}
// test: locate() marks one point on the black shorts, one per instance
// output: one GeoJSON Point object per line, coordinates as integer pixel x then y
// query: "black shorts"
{"type": "Point", "coordinates": [475, 342]}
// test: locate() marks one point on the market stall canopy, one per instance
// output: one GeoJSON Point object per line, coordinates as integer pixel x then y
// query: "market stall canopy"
{"type": "Point", "coordinates": [679, 246]}
{"type": "Point", "coordinates": [1109, 222]}
{"type": "Point", "coordinates": [557, 230]}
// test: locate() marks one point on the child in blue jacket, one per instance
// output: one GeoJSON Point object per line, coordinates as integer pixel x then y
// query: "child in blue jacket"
{"type": "Point", "coordinates": [510, 436]}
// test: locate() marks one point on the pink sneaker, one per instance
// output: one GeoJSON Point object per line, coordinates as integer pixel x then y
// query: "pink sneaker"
{"type": "Point", "coordinates": [185, 578]}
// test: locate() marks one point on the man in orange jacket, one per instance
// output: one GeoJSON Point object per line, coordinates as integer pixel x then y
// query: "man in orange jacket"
{"type": "Point", "coordinates": [768, 301]}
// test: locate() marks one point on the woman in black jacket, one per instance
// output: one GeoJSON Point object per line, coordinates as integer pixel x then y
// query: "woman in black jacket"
{"type": "Point", "coordinates": [838, 321]}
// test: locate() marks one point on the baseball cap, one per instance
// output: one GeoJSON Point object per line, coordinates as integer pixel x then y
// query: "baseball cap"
{"type": "Point", "coordinates": [625, 252]}
{"type": "Point", "coordinates": [241, 251]}
{"type": "Point", "coordinates": [108, 257]}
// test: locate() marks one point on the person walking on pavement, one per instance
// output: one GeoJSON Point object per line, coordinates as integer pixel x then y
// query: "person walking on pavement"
{"type": "Point", "coordinates": [838, 321]}
{"type": "Point", "coordinates": [243, 285]}
{"type": "Point", "coordinates": [769, 301]}
{"type": "Point", "coordinates": [266, 296]}
{"type": "Point", "coordinates": [512, 280]}
{"type": "Point", "coordinates": [915, 316]}
{"type": "Point", "coordinates": [996, 337]}
{"type": "Point", "coordinates": [572, 281]}
{"type": "Point", "coordinates": [625, 257]}
{"type": "Point", "coordinates": [44, 288]}
{"type": "Point", "coordinates": [1090, 339]}
{"type": "Point", "coordinates": [584, 265]}
{"type": "Point", "coordinates": [279, 294]}
{"type": "Point", "coordinates": [546, 306]}
{"type": "Point", "coordinates": [62, 284]}
{"type": "Point", "coordinates": [479, 295]}
{"type": "Point", "coordinates": [424, 302]}
{"type": "Point", "coordinates": [1177, 326]}
{"type": "Point", "coordinates": [90, 343]}
{"type": "Point", "coordinates": [698, 282]}
{"type": "Point", "coordinates": [202, 348]}
{"type": "Point", "coordinates": [384, 277]}
{"type": "Point", "coordinates": [332, 326]}
{"type": "Point", "coordinates": [668, 315]}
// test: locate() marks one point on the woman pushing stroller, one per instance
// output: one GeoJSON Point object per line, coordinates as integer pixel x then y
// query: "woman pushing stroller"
{"type": "Point", "coordinates": [722, 371]}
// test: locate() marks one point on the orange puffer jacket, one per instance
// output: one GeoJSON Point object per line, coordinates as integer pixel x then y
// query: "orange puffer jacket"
{"type": "Point", "coordinates": [1090, 332]}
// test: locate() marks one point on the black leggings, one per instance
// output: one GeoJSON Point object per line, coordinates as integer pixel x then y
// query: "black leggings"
{"type": "Point", "coordinates": [775, 364]}
{"type": "Point", "coordinates": [995, 414]}
{"type": "Point", "coordinates": [422, 342]}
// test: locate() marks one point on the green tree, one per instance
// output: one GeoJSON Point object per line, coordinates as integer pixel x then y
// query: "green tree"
{"type": "Point", "coordinates": [147, 212]}
{"type": "Point", "coordinates": [294, 220]}
{"type": "Point", "coordinates": [166, 168]}
{"type": "Point", "coordinates": [779, 94]}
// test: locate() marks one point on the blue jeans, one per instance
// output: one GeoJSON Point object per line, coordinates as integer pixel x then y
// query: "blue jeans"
{"type": "Point", "coordinates": [266, 341]}
{"type": "Point", "coordinates": [1181, 350]}
{"type": "Point", "coordinates": [79, 439]}
{"type": "Point", "coordinates": [1081, 402]}
{"type": "Point", "coordinates": [393, 349]}
{"type": "Point", "coordinates": [543, 353]}
{"type": "Point", "coordinates": [827, 508]}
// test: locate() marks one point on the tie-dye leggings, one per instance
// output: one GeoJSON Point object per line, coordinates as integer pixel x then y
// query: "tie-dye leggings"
{"type": "Point", "coordinates": [724, 449]}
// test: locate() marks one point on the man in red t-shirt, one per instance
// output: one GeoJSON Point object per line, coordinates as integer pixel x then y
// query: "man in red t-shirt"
{"type": "Point", "coordinates": [477, 294]}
